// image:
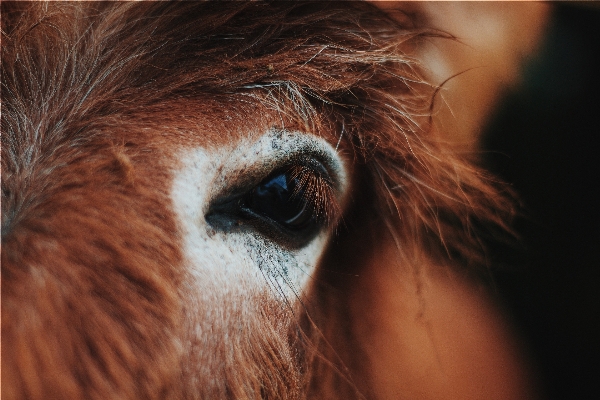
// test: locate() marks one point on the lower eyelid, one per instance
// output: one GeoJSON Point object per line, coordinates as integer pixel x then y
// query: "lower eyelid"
{"type": "Point", "coordinates": [274, 231]}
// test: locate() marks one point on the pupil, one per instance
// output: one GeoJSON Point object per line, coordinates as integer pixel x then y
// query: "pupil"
{"type": "Point", "coordinates": [279, 199]}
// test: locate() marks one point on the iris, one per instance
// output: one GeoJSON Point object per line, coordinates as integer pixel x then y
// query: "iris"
{"type": "Point", "coordinates": [281, 198]}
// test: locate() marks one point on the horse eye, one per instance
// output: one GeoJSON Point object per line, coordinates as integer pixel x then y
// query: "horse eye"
{"type": "Point", "coordinates": [281, 198]}
{"type": "Point", "coordinates": [290, 206]}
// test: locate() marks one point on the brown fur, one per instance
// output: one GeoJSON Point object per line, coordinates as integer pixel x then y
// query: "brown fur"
{"type": "Point", "coordinates": [95, 97]}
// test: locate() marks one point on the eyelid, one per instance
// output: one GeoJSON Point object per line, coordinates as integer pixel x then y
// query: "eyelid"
{"type": "Point", "coordinates": [247, 178]}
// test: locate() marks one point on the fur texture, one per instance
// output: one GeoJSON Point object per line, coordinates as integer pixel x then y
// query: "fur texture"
{"type": "Point", "coordinates": [97, 98]}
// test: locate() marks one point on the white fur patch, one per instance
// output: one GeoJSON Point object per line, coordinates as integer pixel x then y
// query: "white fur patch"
{"type": "Point", "coordinates": [226, 264]}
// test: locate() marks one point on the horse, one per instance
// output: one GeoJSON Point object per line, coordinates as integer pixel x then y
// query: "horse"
{"type": "Point", "coordinates": [239, 200]}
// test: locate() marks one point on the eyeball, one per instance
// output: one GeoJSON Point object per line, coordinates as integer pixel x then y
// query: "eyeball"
{"type": "Point", "coordinates": [290, 206]}
{"type": "Point", "coordinates": [282, 199]}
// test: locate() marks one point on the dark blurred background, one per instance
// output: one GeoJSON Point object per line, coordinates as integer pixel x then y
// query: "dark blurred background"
{"type": "Point", "coordinates": [544, 139]}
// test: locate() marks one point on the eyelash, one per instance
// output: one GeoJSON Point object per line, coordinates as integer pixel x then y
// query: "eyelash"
{"type": "Point", "coordinates": [291, 205]}
{"type": "Point", "coordinates": [318, 190]}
